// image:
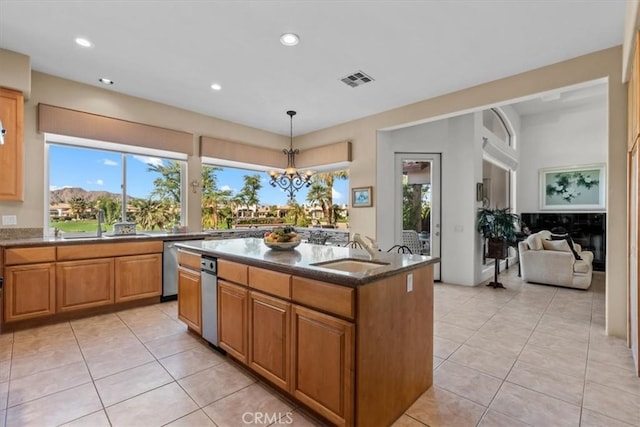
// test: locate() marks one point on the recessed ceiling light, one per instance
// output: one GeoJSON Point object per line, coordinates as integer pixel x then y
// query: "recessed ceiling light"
{"type": "Point", "coordinates": [289, 39]}
{"type": "Point", "coordinates": [83, 42]}
{"type": "Point", "coordinates": [106, 81]}
{"type": "Point", "coordinates": [216, 86]}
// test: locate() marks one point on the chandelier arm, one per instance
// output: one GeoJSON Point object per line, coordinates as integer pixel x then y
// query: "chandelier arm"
{"type": "Point", "coordinates": [290, 180]}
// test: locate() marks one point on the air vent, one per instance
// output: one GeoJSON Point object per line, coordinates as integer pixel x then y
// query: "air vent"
{"type": "Point", "coordinates": [357, 79]}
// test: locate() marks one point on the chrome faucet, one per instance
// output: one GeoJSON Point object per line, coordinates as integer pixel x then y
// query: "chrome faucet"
{"type": "Point", "coordinates": [372, 250]}
{"type": "Point", "coordinates": [100, 216]}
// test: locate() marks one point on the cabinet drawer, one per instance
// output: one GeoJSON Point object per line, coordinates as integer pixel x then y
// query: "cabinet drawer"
{"type": "Point", "coordinates": [17, 256]}
{"type": "Point", "coordinates": [189, 260]}
{"type": "Point", "coordinates": [271, 282]}
{"type": "Point", "coordinates": [324, 296]}
{"type": "Point", "coordinates": [106, 250]}
{"type": "Point", "coordinates": [232, 271]}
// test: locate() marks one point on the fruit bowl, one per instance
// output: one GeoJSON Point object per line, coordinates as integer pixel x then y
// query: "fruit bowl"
{"type": "Point", "coordinates": [281, 238]}
{"type": "Point", "coordinates": [282, 246]}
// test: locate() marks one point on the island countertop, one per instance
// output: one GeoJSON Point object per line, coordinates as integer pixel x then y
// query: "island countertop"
{"type": "Point", "coordinates": [300, 261]}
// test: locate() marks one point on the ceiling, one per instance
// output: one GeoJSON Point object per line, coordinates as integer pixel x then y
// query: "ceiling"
{"type": "Point", "coordinates": [172, 51]}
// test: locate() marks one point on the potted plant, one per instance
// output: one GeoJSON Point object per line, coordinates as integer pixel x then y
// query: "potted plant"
{"type": "Point", "coordinates": [499, 227]}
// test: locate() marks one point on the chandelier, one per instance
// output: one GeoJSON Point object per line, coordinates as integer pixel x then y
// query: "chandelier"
{"type": "Point", "coordinates": [291, 180]}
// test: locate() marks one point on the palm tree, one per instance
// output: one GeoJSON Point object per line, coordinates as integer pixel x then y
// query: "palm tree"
{"type": "Point", "coordinates": [149, 214]}
{"type": "Point", "coordinates": [79, 206]}
{"type": "Point", "coordinates": [111, 207]}
{"type": "Point", "coordinates": [250, 190]}
{"type": "Point", "coordinates": [296, 214]}
{"type": "Point", "coordinates": [212, 197]}
{"type": "Point", "coordinates": [317, 195]}
{"type": "Point", "coordinates": [167, 185]}
{"type": "Point", "coordinates": [323, 192]}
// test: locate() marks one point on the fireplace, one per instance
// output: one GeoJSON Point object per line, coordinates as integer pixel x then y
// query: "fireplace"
{"type": "Point", "coordinates": [586, 229]}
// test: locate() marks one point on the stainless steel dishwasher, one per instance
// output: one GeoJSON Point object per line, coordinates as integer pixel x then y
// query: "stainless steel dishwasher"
{"type": "Point", "coordinates": [169, 272]}
{"type": "Point", "coordinates": [209, 268]}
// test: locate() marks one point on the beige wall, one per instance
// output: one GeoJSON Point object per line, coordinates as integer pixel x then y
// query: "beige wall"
{"type": "Point", "coordinates": [15, 72]}
{"type": "Point", "coordinates": [65, 93]}
{"type": "Point", "coordinates": [605, 64]}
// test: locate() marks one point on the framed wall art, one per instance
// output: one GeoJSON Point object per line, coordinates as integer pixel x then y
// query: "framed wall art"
{"type": "Point", "coordinates": [573, 188]}
{"type": "Point", "coordinates": [361, 197]}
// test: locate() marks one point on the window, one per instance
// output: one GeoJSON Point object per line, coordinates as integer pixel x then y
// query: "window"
{"type": "Point", "coordinates": [237, 197]}
{"type": "Point", "coordinates": [83, 180]}
{"type": "Point", "coordinates": [492, 119]}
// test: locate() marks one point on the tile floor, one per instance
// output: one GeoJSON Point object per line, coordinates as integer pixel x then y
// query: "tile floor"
{"type": "Point", "coordinates": [528, 355]}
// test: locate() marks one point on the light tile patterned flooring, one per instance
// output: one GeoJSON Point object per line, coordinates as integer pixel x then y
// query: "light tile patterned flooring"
{"type": "Point", "coordinates": [528, 355]}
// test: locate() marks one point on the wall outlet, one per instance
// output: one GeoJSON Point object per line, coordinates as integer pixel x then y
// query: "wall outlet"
{"type": "Point", "coordinates": [409, 282]}
{"type": "Point", "coordinates": [9, 220]}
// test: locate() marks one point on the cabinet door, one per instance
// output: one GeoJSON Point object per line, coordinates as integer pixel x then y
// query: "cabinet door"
{"type": "Point", "coordinates": [84, 284]}
{"type": "Point", "coordinates": [29, 291]}
{"type": "Point", "coordinates": [270, 336]}
{"type": "Point", "coordinates": [138, 276]}
{"type": "Point", "coordinates": [190, 298]}
{"type": "Point", "coordinates": [322, 365]}
{"type": "Point", "coordinates": [12, 114]}
{"type": "Point", "coordinates": [233, 319]}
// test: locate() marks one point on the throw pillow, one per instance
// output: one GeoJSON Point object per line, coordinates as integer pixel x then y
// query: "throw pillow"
{"type": "Point", "coordinates": [556, 245]}
{"type": "Point", "coordinates": [569, 242]}
{"type": "Point", "coordinates": [534, 242]}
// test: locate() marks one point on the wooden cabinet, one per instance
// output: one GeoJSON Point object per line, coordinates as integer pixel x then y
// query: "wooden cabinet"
{"type": "Point", "coordinates": [11, 153]}
{"type": "Point", "coordinates": [323, 364]}
{"type": "Point", "coordinates": [45, 280]}
{"type": "Point", "coordinates": [305, 352]}
{"type": "Point", "coordinates": [138, 276]}
{"type": "Point", "coordinates": [84, 284]}
{"type": "Point", "coordinates": [29, 291]}
{"type": "Point", "coordinates": [270, 336]}
{"type": "Point", "coordinates": [233, 271]}
{"type": "Point", "coordinates": [190, 298]}
{"type": "Point", "coordinates": [232, 319]}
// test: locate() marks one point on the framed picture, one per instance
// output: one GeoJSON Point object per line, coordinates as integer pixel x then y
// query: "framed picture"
{"type": "Point", "coordinates": [573, 188]}
{"type": "Point", "coordinates": [361, 197]}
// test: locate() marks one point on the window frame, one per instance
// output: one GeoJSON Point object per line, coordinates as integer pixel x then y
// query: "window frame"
{"type": "Point", "coordinates": [123, 150]}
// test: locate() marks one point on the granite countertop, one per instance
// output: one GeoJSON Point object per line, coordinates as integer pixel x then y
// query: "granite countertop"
{"type": "Point", "coordinates": [299, 261]}
{"type": "Point", "coordinates": [54, 241]}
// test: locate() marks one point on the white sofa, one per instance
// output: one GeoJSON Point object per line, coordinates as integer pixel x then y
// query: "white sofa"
{"type": "Point", "coordinates": [552, 262]}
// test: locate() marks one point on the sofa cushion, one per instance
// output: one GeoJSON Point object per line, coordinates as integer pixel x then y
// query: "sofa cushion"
{"type": "Point", "coordinates": [581, 266]}
{"type": "Point", "coordinates": [587, 256]}
{"type": "Point", "coordinates": [556, 245]}
{"type": "Point", "coordinates": [569, 242]}
{"type": "Point", "coordinates": [544, 234]}
{"type": "Point", "coordinates": [534, 242]}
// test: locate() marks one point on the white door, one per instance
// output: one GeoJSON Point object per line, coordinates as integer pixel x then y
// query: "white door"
{"type": "Point", "coordinates": [417, 202]}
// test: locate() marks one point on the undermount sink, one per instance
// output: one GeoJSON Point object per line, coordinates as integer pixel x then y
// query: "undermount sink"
{"type": "Point", "coordinates": [116, 236]}
{"type": "Point", "coordinates": [79, 235]}
{"type": "Point", "coordinates": [351, 265]}
{"type": "Point", "coordinates": [85, 235]}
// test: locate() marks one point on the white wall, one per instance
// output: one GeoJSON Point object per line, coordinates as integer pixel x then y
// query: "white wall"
{"type": "Point", "coordinates": [461, 163]}
{"type": "Point", "coordinates": [569, 137]}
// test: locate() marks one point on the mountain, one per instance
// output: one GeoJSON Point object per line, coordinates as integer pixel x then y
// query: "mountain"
{"type": "Point", "coordinates": [63, 195]}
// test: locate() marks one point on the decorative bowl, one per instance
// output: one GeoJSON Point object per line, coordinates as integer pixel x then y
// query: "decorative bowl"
{"type": "Point", "coordinates": [282, 246]}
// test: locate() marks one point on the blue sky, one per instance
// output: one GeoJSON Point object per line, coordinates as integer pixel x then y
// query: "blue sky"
{"type": "Point", "coordinates": [102, 171]}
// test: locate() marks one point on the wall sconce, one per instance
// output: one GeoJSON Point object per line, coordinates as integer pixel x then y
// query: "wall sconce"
{"type": "Point", "coordinates": [194, 185]}
{"type": "Point", "coordinates": [479, 191]}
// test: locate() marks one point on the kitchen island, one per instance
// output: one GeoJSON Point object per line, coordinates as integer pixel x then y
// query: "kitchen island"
{"type": "Point", "coordinates": [348, 336]}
